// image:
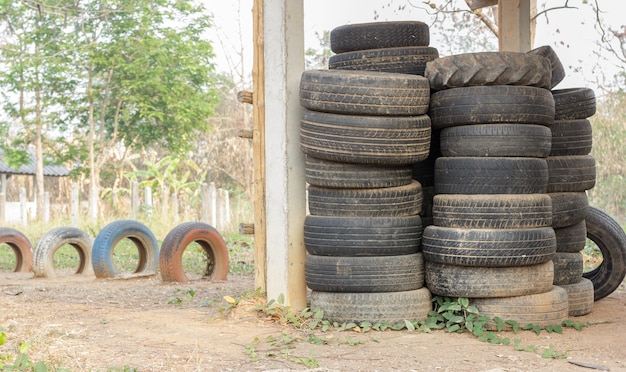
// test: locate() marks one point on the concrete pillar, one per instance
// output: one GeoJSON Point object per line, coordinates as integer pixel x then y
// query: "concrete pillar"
{"type": "Point", "coordinates": [285, 199]}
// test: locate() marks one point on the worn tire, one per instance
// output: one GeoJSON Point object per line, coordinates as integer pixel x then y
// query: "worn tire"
{"type": "Point", "coordinates": [610, 238]}
{"type": "Point", "coordinates": [404, 60]}
{"type": "Point", "coordinates": [43, 259]}
{"type": "Point", "coordinates": [379, 35]}
{"type": "Point", "coordinates": [179, 238]}
{"type": "Point", "coordinates": [571, 137]}
{"type": "Point", "coordinates": [487, 175]}
{"type": "Point", "coordinates": [476, 282]}
{"type": "Point", "coordinates": [364, 92]}
{"type": "Point", "coordinates": [491, 104]}
{"type": "Point", "coordinates": [380, 202]}
{"type": "Point", "coordinates": [568, 208]}
{"type": "Point", "coordinates": [542, 309]}
{"type": "Point", "coordinates": [571, 239]}
{"type": "Point", "coordinates": [488, 247]}
{"type": "Point", "coordinates": [389, 307]}
{"type": "Point", "coordinates": [113, 233]}
{"type": "Point", "coordinates": [579, 297]}
{"type": "Point", "coordinates": [558, 72]}
{"type": "Point", "coordinates": [489, 68]}
{"type": "Point", "coordinates": [362, 236]}
{"type": "Point", "coordinates": [375, 140]}
{"type": "Point", "coordinates": [568, 268]}
{"type": "Point", "coordinates": [21, 246]}
{"type": "Point", "coordinates": [513, 211]}
{"type": "Point", "coordinates": [497, 140]}
{"type": "Point", "coordinates": [364, 274]}
{"type": "Point", "coordinates": [339, 175]}
{"type": "Point", "coordinates": [574, 103]}
{"type": "Point", "coordinates": [575, 173]}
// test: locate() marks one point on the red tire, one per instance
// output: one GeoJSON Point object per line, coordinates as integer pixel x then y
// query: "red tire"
{"type": "Point", "coordinates": [21, 246]}
{"type": "Point", "coordinates": [177, 240]}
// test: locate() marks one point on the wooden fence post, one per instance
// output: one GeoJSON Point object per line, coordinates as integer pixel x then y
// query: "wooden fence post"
{"type": "Point", "coordinates": [213, 198]}
{"type": "Point", "coordinates": [134, 200]}
{"type": "Point", "coordinates": [74, 203]}
{"type": "Point", "coordinates": [204, 197]}
{"type": "Point", "coordinates": [3, 208]}
{"type": "Point", "coordinates": [147, 194]}
{"type": "Point", "coordinates": [23, 206]}
{"type": "Point", "coordinates": [46, 207]}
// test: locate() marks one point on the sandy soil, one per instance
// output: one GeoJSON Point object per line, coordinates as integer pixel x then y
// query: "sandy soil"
{"type": "Point", "coordinates": [87, 324]}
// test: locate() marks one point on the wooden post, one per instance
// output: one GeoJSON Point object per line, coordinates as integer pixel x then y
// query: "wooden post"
{"type": "Point", "coordinates": [23, 207]}
{"type": "Point", "coordinates": [3, 183]}
{"type": "Point", "coordinates": [204, 197]}
{"type": "Point", "coordinates": [147, 195]}
{"type": "Point", "coordinates": [3, 209]}
{"type": "Point", "coordinates": [213, 203]}
{"type": "Point", "coordinates": [46, 207]}
{"type": "Point", "coordinates": [514, 25]}
{"type": "Point", "coordinates": [134, 200]}
{"type": "Point", "coordinates": [93, 203]}
{"type": "Point", "coordinates": [75, 204]}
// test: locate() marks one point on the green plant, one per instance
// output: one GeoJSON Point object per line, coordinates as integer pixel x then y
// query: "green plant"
{"type": "Point", "coordinates": [187, 295]}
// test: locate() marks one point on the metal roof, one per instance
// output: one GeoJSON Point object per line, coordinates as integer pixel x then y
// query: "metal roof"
{"type": "Point", "coordinates": [29, 169]}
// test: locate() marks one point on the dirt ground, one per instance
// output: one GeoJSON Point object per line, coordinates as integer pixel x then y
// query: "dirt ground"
{"type": "Point", "coordinates": [88, 324]}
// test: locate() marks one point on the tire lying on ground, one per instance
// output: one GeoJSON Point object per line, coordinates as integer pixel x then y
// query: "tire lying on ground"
{"type": "Point", "coordinates": [558, 72]}
{"type": "Point", "coordinates": [21, 246]}
{"type": "Point", "coordinates": [542, 309]}
{"type": "Point", "coordinates": [491, 104]}
{"type": "Point", "coordinates": [43, 260]}
{"type": "Point", "coordinates": [339, 175]}
{"type": "Point", "coordinates": [362, 236]}
{"type": "Point", "coordinates": [139, 234]}
{"type": "Point", "coordinates": [404, 60]}
{"type": "Point", "coordinates": [489, 68]}
{"type": "Point", "coordinates": [487, 282]}
{"type": "Point", "coordinates": [610, 239]}
{"type": "Point", "coordinates": [179, 238]}
{"type": "Point", "coordinates": [390, 307]}
{"type": "Point", "coordinates": [364, 274]}
{"type": "Point", "coordinates": [579, 297]}
{"type": "Point", "coordinates": [378, 35]}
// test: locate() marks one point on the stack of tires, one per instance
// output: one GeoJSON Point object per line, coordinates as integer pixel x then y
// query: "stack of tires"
{"type": "Point", "coordinates": [492, 238]}
{"type": "Point", "coordinates": [363, 127]}
{"type": "Point", "coordinates": [572, 172]}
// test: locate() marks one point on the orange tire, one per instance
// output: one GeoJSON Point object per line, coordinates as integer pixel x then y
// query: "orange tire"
{"type": "Point", "coordinates": [21, 246]}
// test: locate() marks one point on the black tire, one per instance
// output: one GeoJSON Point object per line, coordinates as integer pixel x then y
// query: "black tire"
{"type": "Point", "coordinates": [404, 60]}
{"type": "Point", "coordinates": [179, 238]}
{"type": "Point", "coordinates": [576, 173]}
{"type": "Point", "coordinates": [362, 236]}
{"type": "Point", "coordinates": [610, 238]}
{"type": "Point", "coordinates": [375, 140]}
{"type": "Point", "coordinates": [364, 92]}
{"type": "Point", "coordinates": [378, 35]}
{"type": "Point", "coordinates": [568, 208]}
{"type": "Point", "coordinates": [21, 246]}
{"type": "Point", "coordinates": [491, 104]}
{"type": "Point", "coordinates": [487, 175]}
{"type": "Point", "coordinates": [574, 103]}
{"type": "Point", "coordinates": [488, 247]}
{"type": "Point", "coordinates": [579, 297]}
{"type": "Point", "coordinates": [568, 268]}
{"type": "Point", "coordinates": [571, 137]}
{"type": "Point", "coordinates": [488, 68]}
{"type": "Point", "coordinates": [43, 259]}
{"type": "Point", "coordinates": [111, 235]}
{"type": "Point", "coordinates": [542, 309]}
{"type": "Point", "coordinates": [516, 211]}
{"type": "Point", "coordinates": [571, 239]}
{"type": "Point", "coordinates": [488, 282]}
{"type": "Point", "coordinates": [381, 202]}
{"type": "Point", "coordinates": [558, 72]}
{"type": "Point", "coordinates": [338, 175]}
{"type": "Point", "coordinates": [364, 274]}
{"type": "Point", "coordinates": [497, 140]}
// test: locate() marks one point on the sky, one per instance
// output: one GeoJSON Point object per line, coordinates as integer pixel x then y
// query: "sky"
{"type": "Point", "coordinates": [569, 31]}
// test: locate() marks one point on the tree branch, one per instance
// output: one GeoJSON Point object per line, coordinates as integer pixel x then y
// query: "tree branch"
{"type": "Point", "coordinates": [564, 6]}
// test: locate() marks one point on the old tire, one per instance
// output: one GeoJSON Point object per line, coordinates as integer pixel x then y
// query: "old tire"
{"type": "Point", "coordinates": [571, 239]}
{"type": "Point", "coordinates": [491, 104]}
{"type": "Point", "coordinates": [542, 309]}
{"type": "Point", "coordinates": [364, 274]}
{"type": "Point", "coordinates": [360, 139]}
{"type": "Point", "coordinates": [389, 307]}
{"type": "Point", "coordinates": [568, 208]}
{"type": "Point", "coordinates": [514, 211]}
{"type": "Point", "coordinates": [575, 173]}
{"type": "Point", "coordinates": [610, 238]}
{"type": "Point", "coordinates": [380, 202]}
{"type": "Point", "coordinates": [571, 137]}
{"type": "Point", "coordinates": [378, 35]}
{"type": "Point", "coordinates": [362, 236]}
{"type": "Point", "coordinates": [339, 175]}
{"type": "Point", "coordinates": [497, 140]}
{"type": "Point", "coordinates": [111, 235]}
{"type": "Point", "coordinates": [405, 60]}
{"type": "Point", "coordinates": [574, 103]}
{"type": "Point", "coordinates": [488, 247]}
{"type": "Point", "coordinates": [579, 297]}
{"type": "Point", "coordinates": [568, 268]}
{"type": "Point", "coordinates": [21, 246]}
{"type": "Point", "coordinates": [488, 282]}
{"type": "Point", "coordinates": [486, 175]}
{"type": "Point", "coordinates": [179, 238]}
{"type": "Point", "coordinates": [43, 260]}
{"type": "Point", "coordinates": [364, 93]}
{"type": "Point", "coordinates": [558, 72]}
{"type": "Point", "coordinates": [488, 68]}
